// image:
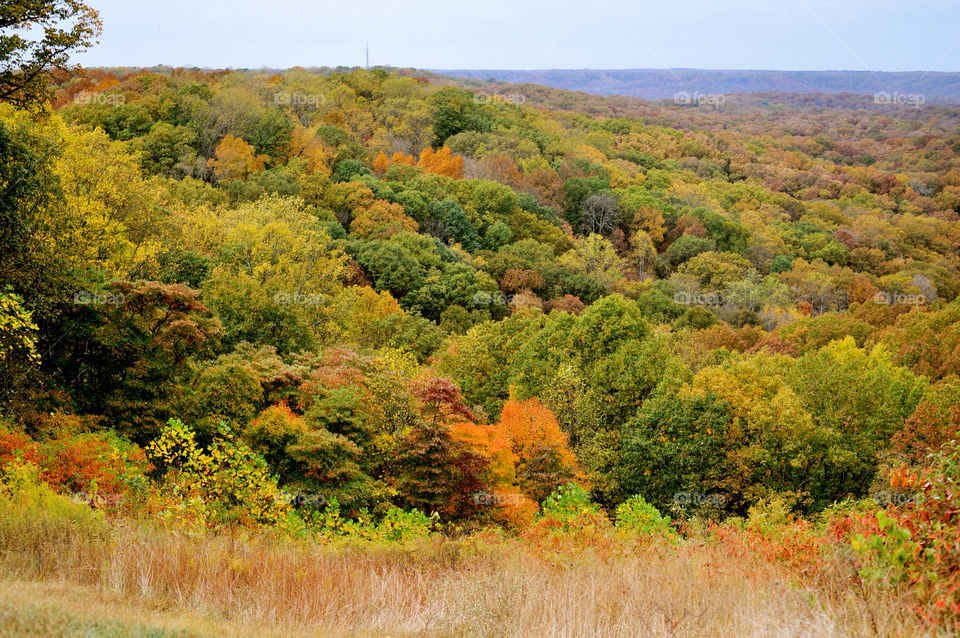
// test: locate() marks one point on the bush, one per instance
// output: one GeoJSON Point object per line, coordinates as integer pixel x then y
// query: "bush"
{"type": "Point", "coordinates": [570, 521]}
{"type": "Point", "coordinates": [638, 516]}
{"type": "Point", "coordinates": [568, 502]}
{"type": "Point", "coordinates": [34, 519]}
{"type": "Point", "coordinates": [226, 485]}
{"type": "Point", "coordinates": [100, 467]}
{"type": "Point", "coordinates": [396, 525]}
{"type": "Point", "coordinates": [922, 536]}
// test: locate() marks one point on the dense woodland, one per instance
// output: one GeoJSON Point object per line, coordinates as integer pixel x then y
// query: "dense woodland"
{"type": "Point", "coordinates": [660, 84]}
{"type": "Point", "coordinates": [381, 299]}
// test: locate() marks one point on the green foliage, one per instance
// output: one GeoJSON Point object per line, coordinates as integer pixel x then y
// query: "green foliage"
{"type": "Point", "coordinates": [885, 554]}
{"type": "Point", "coordinates": [294, 294]}
{"type": "Point", "coordinates": [396, 525]}
{"type": "Point", "coordinates": [568, 502]}
{"type": "Point", "coordinates": [231, 484]}
{"type": "Point", "coordinates": [780, 263]}
{"type": "Point", "coordinates": [349, 169]}
{"type": "Point", "coordinates": [33, 517]}
{"type": "Point", "coordinates": [454, 111]}
{"type": "Point", "coordinates": [638, 516]}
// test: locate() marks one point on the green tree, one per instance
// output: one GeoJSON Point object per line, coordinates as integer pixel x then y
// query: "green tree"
{"type": "Point", "coordinates": [67, 26]}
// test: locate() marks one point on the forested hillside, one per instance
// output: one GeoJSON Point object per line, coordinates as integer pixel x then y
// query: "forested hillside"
{"type": "Point", "coordinates": [661, 84]}
{"type": "Point", "coordinates": [376, 304]}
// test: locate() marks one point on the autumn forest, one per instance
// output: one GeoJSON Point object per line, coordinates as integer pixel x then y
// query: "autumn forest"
{"type": "Point", "coordinates": [322, 349]}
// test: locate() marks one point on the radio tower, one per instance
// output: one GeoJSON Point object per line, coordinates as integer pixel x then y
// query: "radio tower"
{"type": "Point", "coordinates": [368, 56]}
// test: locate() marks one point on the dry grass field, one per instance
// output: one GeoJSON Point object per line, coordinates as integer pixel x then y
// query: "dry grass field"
{"type": "Point", "coordinates": [129, 580]}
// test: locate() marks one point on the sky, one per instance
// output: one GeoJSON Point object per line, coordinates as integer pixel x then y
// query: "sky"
{"type": "Point", "coordinates": [870, 35]}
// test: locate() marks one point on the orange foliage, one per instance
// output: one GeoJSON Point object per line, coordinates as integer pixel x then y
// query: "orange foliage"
{"type": "Point", "coordinates": [382, 219]}
{"type": "Point", "coordinates": [516, 279]}
{"type": "Point", "coordinates": [530, 426]}
{"type": "Point", "coordinates": [381, 163]}
{"type": "Point", "coordinates": [566, 303]}
{"type": "Point", "coordinates": [796, 545]}
{"type": "Point", "coordinates": [504, 170]}
{"type": "Point", "coordinates": [400, 158]}
{"type": "Point", "coordinates": [515, 509]}
{"type": "Point", "coordinates": [525, 431]}
{"type": "Point", "coordinates": [490, 442]}
{"type": "Point", "coordinates": [306, 145]}
{"type": "Point", "coordinates": [546, 186]}
{"type": "Point", "coordinates": [77, 463]}
{"type": "Point", "coordinates": [16, 445]}
{"type": "Point", "coordinates": [235, 159]}
{"type": "Point", "coordinates": [441, 162]}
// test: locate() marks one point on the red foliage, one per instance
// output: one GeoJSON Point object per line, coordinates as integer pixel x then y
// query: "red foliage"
{"type": "Point", "coordinates": [796, 546]}
{"type": "Point", "coordinates": [440, 399]}
{"type": "Point", "coordinates": [77, 463]}
{"type": "Point", "coordinates": [16, 445]}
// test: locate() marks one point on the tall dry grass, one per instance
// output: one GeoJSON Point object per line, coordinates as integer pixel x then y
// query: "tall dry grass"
{"type": "Point", "coordinates": [442, 587]}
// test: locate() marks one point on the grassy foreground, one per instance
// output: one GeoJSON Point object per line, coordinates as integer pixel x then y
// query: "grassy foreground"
{"type": "Point", "coordinates": [119, 578]}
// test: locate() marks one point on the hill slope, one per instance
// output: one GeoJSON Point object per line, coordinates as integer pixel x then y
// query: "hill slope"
{"type": "Point", "coordinates": [660, 84]}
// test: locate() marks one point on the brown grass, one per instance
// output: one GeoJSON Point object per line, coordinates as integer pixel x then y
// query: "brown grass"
{"type": "Point", "coordinates": [444, 587]}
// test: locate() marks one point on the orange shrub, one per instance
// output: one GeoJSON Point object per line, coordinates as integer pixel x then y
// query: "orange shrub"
{"type": "Point", "coordinates": [84, 463]}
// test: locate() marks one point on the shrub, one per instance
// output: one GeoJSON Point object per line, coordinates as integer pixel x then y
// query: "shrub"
{"type": "Point", "coordinates": [567, 503]}
{"type": "Point", "coordinates": [569, 520]}
{"type": "Point", "coordinates": [931, 554]}
{"type": "Point", "coordinates": [232, 484]}
{"type": "Point", "coordinates": [34, 518]}
{"type": "Point", "coordinates": [396, 525]}
{"type": "Point", "coordinates": [638, 516]}
{"type": "Point", "coordinates": [101, 467]}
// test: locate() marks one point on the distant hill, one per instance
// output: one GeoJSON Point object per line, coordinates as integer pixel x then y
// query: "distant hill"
{"type": "Point", "coordinates": [661, 84]}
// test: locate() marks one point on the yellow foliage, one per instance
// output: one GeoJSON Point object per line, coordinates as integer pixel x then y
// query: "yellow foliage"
{"type": "Point", "coordinates": [110, 214]}
{"type": "Point", "coordinates": [441, 162]}
{"type": "Point", "coordinates": [307, 146]}
{"type": "Point", "coordinates": [381, 219]}
{"type": "Point", "coordinates": [355, 309]}
{"type": "Point", "coordinates": [235, 159]}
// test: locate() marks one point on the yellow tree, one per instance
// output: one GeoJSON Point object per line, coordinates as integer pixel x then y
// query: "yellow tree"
{"type": "Point", "coordinates": [277, 274]}
{"type": "Point", "coordinates": [235, 159]}
{"type": "Point", "coordinates": [381, 219]}
{"type": "Point", "coordinates": [116, 219]}
{"type": "Point", "coordinates": [381, 163]}
{"type": "Point", "coordinates": [441, 162]}
{"type": "Point", "coordinates": [306, 145]}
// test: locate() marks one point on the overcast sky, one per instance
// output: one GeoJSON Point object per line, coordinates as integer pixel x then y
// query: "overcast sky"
{"type": "Point", "coordinates": [876, 35]}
